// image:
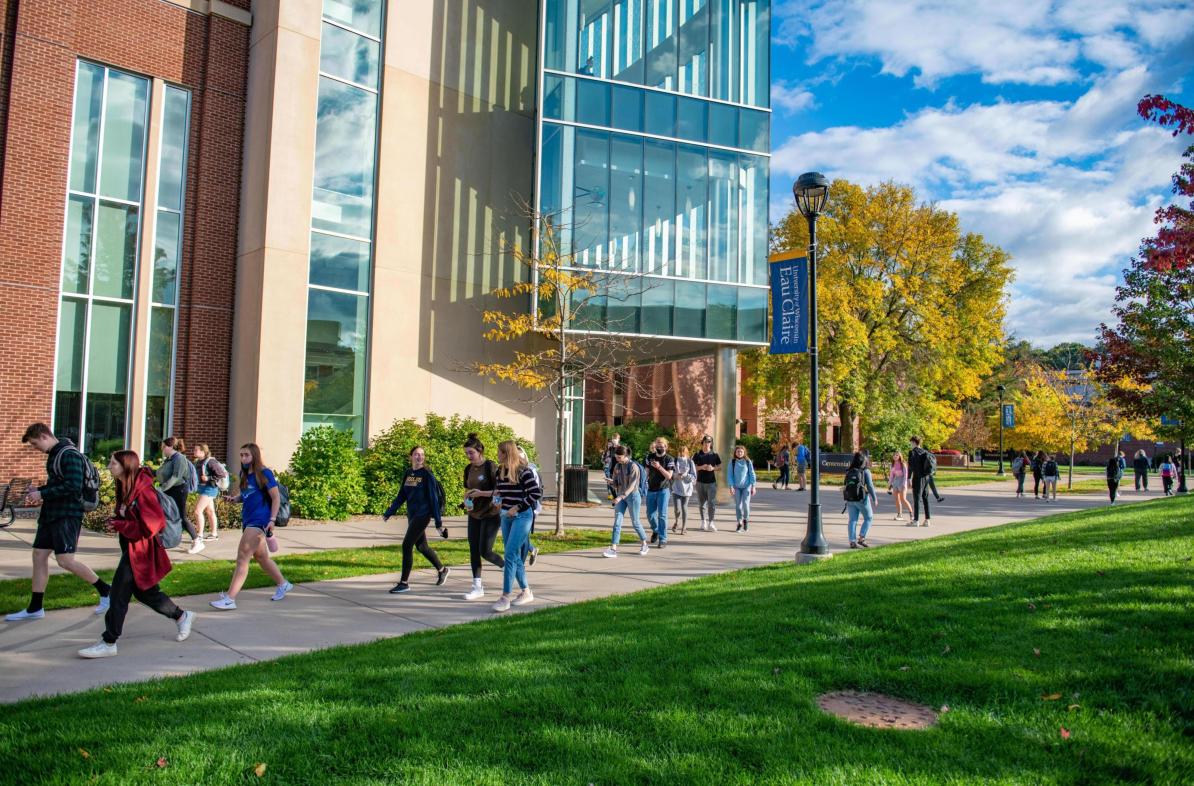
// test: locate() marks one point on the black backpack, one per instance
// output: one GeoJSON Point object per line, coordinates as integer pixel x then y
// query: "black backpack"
{"type": "Point", "coordinates": [854, 491]}
{"type": "Point", "coordinates": [91, 478]}
{"type": "Point", "coordinates": [283, 517]}
{"type": "Point", "coordinates": [1050, 469]}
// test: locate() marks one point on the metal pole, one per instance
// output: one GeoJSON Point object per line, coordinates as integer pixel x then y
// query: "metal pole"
{"type": "Point", "coordinates": [1181, 488]}
{"type": "Point", "coordinates": [1000, 473]}
{"type": "Point", "coordinates": [814, 537]}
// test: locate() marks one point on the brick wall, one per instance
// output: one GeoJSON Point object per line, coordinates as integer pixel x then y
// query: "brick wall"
{"type": "Point", "coordinates": [205, 54]}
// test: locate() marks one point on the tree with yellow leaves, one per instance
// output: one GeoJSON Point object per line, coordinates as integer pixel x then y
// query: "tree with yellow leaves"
{"type": "Point", "coordinates": [910, 308]}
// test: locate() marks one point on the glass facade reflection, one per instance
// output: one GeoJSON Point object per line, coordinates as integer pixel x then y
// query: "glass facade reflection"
{"type": "Point", "coordinates": [654, 142]}
{"type": "Point", "coordinates": [342, 215]}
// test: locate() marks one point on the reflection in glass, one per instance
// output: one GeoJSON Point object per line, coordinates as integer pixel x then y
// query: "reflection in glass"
{"type": "Point", "coordinates": [752, 219]}
{"type": "Point", "coordinates": [84, 154]}
{"type": "Point", "coordinates": [693, 59]}
{"type": "Point", "coordinates": [72, 332]}
{"type": "Point", "coordinates": [591, 197]}
{"type": "Point", "coordinates": [723, 216]}
{"type": "Point", "coordinates": [337, 324]}
{"type": "Point", "coordinates": [659, 206]}
{"type": "Point", "coordinates": [587, 310]}
{"type": "Point", "coordinates": [623, 297]}
{"type": "Point", "coordinates": [723, 125]}
{"type": "Point", "coordinates": [658, 295]}
{"type": "Point", "coordinates": [628, 41]}
{"type": "Point", "coordinates": [752, 314]}
{"type": "Point", "coordinates": [362, 15]}
{"type": "Point", "coordinates": [339, 262]}
{"type": "Point", "coordinates": [690, 309]}
{"type": "Point", "coordinates": [721, 311]}
{"type": "Point", "coordinates": [593, 38]}
{"type": "Point", "coordinates": [756, 52]}
{"type": "Point", "coordinates": [557, 40]}
{"type": "Point", "coordinates": [345, 140]}
{"type": "Point", "coordinates": [172, 164]}
{"type": "Point", "coordinates": [158, 381]}
{"type": "Point", "coordinates": [625, 201]}
{"type": "Point", "coordinates": [115, 251]}
{"type": "Point", "coordinates": [660, 28]}
{"type": "Point", "coordinates": [124, 137]}
{"type": "Point", "coordinates": [690, 119]}
{"type": "Point", "coordinates": [692, 175]}
{"type": "Point", "coordinates": [165, 257]}
{"type": "Point", "coordinates": [753, 128]}
{"type": "Point", "coordinates": [349, 56]}
{"type": "Point", "coordinates": [723, 46]}
{"type": "Point", "coordinates": [76, 256]}
{"type": "Point", "coordinates": [628, 108]}
{"type": "Point", "coordinates": [592, 102]}
{"type": "Point", "coordinates": [660, 113]}
{"type": "Point", "coordinates": [107, 377]}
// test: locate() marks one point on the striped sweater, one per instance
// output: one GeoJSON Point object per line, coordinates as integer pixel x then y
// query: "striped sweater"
{"type": "Point", "coordinates": [521, 494]}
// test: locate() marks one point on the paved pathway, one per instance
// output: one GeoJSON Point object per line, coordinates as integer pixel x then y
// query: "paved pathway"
{"type": "Point", "coordinates": [39, 657]}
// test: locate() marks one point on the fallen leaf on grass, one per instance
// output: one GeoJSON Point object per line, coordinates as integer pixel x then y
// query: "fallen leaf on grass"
{"type": "Point", "coordinates": [775, 670]}
{"type": "Point", "coordinates": [1073, 707]}
{"type": "Point", "coordinates": [1051, 697]}
{"type": "Point", "coordinates": [259, 770]}
{"type": "Point", "coordinates": [84, 753]}
{"type": "Point", "coordinates": [1036, 652]}
{"type": "Point", "coordinates": [1101, 572]}
{"type": "Point", "coordinates": [1065, 733]}
{"type": "Point", "coordinates": [1032, 607]}
{"type": "Point", "coordinates": [162, 763]}
{"type": "Point", "coordinates": [946, 650]}
{"type": "Point", "coordinates": [139, 699]}
{"type": "Point", "coordinates": [945, 708]}
{"type": "Point", "coordinates": [904, 668]}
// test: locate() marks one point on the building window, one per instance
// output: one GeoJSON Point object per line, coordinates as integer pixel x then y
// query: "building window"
{"type": "Point", "coordinates": [342, 215]}
{"type": "Point", "coordinates": [99, 259]}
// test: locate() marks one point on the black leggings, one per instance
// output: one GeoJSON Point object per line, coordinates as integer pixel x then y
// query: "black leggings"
{"type": "Point", "coordinates": [481, 535]}
{"type": "Point", "coordinates": [784, 474]}
{"type": "Point", "coordinates": [1112, 488]}
{"type": "Point", "coordinates": [1020, 483]}
{"type": "Point", "coordinates": [416, 538]}
{"type": "Point", "coordinates": [1036, 484]}
{"type": "Point", "coordinates": [920, 496]}
{"type": "Point", "coordinates": [179, 495]}
{"type": "Point", "coordinates": [123, 588]}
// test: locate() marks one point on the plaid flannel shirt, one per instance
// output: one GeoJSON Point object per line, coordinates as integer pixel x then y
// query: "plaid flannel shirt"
{"type": "Point", "coordinates": [62, 496]}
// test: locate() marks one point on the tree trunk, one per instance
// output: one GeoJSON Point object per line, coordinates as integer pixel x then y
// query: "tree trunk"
{"type": "Point", "coordinates": [1070, 482]}
{"type": "Point", "coordinates": [845, 434]}
{"type": "Point", "coordinates": [561, 404]}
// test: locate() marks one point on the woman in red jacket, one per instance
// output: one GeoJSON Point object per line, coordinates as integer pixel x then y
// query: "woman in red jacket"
{"type": "Point", "coordinates": [143, 561]}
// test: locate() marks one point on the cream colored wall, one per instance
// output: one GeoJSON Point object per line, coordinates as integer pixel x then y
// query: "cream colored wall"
{"type": "Point", "coordinates": [266, 397]}
{"type": "Point", "coordinates": [457, 150]}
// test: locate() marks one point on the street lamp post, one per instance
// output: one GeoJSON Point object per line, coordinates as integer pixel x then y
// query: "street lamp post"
{"type": "Point", "coordinates": [1001, 389]}
{"type": "Point", "coordinates": [812, 191]}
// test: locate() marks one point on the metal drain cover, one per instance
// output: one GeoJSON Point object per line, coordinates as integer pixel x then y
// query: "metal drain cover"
{"type": "Point", "coordinates": [876, 710]}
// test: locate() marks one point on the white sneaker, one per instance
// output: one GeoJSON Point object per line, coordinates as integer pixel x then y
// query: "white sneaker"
{"type": "Point", "coordinates": [104, 604]}
{"type": "Point", "coordinates": [926, 523]}
{"type": "Point", "coordinates": [196, 546]}
{"type": "Point", "coordinates": [503, 604]}
{"type": "Point", "coordinates": [899, 517]}
{"type": "Point", "coordinates": [223, 603]}
{"type": "Point", "coordinates": [476, 593]}
{"type": "Point", "coordinates": [913, 523]}
{"type": "Point", "coordinates": [611, 552]}
{"type": "Point", "coordinates": [712, 527]}
{"type": "Point", "coordinates": [704, 527]}
{"type": "Point", "coordinates": [18, 616]}
{"type": "Point", "coordinates": [282, 589]}
{"type": "Point", "coordinates": [101, 649]}
{"type": "Point", "coordinates": [184, 625]}
{"type": "Point", "coordinates": [643, 549]}
{"type": "Point", "coordinates": [524, 597]}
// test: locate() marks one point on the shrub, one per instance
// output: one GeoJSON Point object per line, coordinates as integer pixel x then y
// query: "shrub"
{"type": "Point", "coordinates": [443, 440]}
{"type": "Point", "coordinates": [596, 437]}
{"type": "Point", "coordinates": [228, 513]}
{"type": "Point", "coordinates": [639, 434]}
{"type": "Point", "coordinates": [758, 449]}
{"type": "Point", "coordinates": [325, 477]}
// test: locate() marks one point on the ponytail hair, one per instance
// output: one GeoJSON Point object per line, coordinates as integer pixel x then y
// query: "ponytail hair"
{"type": "Point", "coordinates": [475, 443]}
{"type": "Point", "coordinates": [175, 443]}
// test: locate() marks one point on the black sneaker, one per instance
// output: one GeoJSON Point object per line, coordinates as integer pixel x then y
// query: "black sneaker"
{"type": "Point", "coordinates": [739, 527]}
{"type": "Point", "coordinates": [401, 586]}
{"type": "Point", "coordinates": [941, 499]}
{"type": "Point", "coordinates": [443, 533]}
{"type": "Point", "coordinates": [654, 536]}
{"type": "Point", "coordinates": [745, 526]}
{"type": "Point", "coordinates": [532, 556]}
{"type": "Point", "coordinates": [661, 545]}
{"type": "Point", "coordinates": [443, 575]}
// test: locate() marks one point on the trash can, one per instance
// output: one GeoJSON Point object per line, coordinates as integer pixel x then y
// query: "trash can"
{"type": "Point", "coordinates": [576, 483]}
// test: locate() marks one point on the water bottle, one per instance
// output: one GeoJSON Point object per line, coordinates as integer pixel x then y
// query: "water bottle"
{"type": "Point", "coordinates": [468, 503]}
{"type": "Point", "coordinates": [497, 501]}
{"type": "Point", "coordinates": [271, 543]}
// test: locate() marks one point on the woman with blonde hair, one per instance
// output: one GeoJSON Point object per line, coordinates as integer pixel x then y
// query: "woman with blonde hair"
{"type": "Point", "coordinates": [897, 485]}
{"type": "Point", "coordinates": [516, 495]}
{"type": "Point", "coordinates": [260, 500]}
{"type": "Point", "coordinates": [211, 473]}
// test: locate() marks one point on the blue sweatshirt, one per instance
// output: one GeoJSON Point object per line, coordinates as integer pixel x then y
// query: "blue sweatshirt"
{"type": "Point", "coordinates": [420, 495]}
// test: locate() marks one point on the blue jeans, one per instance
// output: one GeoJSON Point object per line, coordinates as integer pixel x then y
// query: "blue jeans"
{"type": "Point", "coordinates": [856, 509]}
{"type": "Point", "coordinates": [632, 503]}
{"type": "Point", "coordinates": [657, 502]}
{"type": "Point", "coordinates": [742, 503]}
{"type": "Point", "coordinates": [516, 529]}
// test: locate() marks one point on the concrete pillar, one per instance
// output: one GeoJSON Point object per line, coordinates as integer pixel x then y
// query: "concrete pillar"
{"type": "Point", "coordinates": [725, 406]}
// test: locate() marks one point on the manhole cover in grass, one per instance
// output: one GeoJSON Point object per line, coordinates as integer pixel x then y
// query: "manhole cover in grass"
{"type": "Point", "coordinates": [876, 710]}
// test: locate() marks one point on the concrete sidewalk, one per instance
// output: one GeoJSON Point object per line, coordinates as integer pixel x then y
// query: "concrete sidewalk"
{"type": "Point", "coordinates": [38, 658]}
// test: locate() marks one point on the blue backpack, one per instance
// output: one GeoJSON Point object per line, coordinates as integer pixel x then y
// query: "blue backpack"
{"type": "Point", "coordinates": [642, 479]}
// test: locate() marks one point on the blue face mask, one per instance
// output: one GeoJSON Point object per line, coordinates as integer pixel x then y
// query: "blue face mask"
{"type": "Point", "coordinates": [245, 467]}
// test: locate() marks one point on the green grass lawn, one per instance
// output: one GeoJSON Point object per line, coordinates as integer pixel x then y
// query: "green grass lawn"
{"type": "Point", "coordinates": [211, 576]}
{"type": "Point", "coordinates": [1063, 648]}
{"type": "Point", "coordinates": [947, 477]}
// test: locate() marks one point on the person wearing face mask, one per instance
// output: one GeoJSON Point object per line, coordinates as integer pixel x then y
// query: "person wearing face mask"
{"type": "Point", "coordinates": [660, 467]}
{"type": "Point", "coordinates": [259, 499]}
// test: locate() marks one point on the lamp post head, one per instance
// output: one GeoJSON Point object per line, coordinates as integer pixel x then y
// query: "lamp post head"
{"type": "Point", "coordinates": [811, 191]}
{"type": "Point", "coordinates": [1001, 389]}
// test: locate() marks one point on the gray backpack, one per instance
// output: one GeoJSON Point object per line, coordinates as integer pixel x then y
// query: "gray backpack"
{"type": "Point", "coordinates": [171, 534]}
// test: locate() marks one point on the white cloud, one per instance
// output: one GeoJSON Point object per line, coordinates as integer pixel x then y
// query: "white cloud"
{"type": "Point", "coordinates": [1010, 41]}
{"type": "Point", "coordinates": [791, 99]}
{"type": "Point", "coordinates": [1068, 188]}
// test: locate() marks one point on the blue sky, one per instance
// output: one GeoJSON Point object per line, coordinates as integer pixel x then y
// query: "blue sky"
{"type": "Point", "coordinates": [1017, 115]}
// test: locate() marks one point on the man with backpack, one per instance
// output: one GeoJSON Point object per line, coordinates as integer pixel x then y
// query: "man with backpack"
{"type": "Point", "coordinates": [921, 464]}
{"type": "Point", "coordinates": [71, 489]}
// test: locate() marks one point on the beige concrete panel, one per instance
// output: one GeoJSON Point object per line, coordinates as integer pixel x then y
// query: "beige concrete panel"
{"type": "Point", "coordinates": [255, 164]}
{"type": "Point", "coordinates": [143, 305]}
{"type": "Point", "coordinates": [292, 143]}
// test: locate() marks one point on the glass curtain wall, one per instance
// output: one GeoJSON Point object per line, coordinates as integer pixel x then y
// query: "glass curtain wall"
{"type": "Point", "coordinates": [99, 260]}
{"type": "Point", "coordinates": [342, 215]}
{"type": "Point", "coordinates": [167, 258]}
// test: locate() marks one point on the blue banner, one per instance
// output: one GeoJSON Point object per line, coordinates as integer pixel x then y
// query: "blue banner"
{"type": "Point", "coordinates": [1168, 421]}
{"type": "Point", "coordinates": [789, 306]}
{"type": "Point", "coordinates": [1009, 415]}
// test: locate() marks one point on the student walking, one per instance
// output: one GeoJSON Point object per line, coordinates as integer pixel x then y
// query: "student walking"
{"type": "Point", "coordinates": [212, 477]}
{"type": "Point", "coordinates": [1168, 475]}
{"type": "Point", "coordinates": [683, 484]}
{"type": "Point", "coordinates": [484, 521]}
{"type": "Point", "coordinates": [897, 484]}
{"type": "Point", "coordinates": [627, 482]}
{"type": "Point", "coordinates": [784, 465]}
{"type": "Point", "coordinates": [530, 552]}
{"type": "Point", "coordinates": [804, 457]}
{"type": "Point", "coordinates": [423, 497]}
{"type": "Point", "coordinates": [1050, 474]}
{"type": "Point", "coordinates": [175, 480]}
{"type": "Point", "coordinates": [71, 485]}
{"type": "Point", "coordinates": [1141, 465]}
{"type": "Point", "coordinates": [660, 470]}
{"type": "Point", "coordinates": [920, 464]}
{"type": "Point", "coordinates": [609, 459]}
{"type": "Point", "coordinates": [859, 492]}
{"type": "Point", "coordinates": [1115, 473]}
{"type": "Point", "coordinates": [1020, 466]}
{"type": "Point", "coordinates": [742, 486]}
{"type": "Point", "coordinates": [144, 562]}
{"type": "Point", "coordinates": [259, 499]}
{"type": "Point", "coordinates": [1038, 473]}
{"type": "Point", "coordinates": [707, 463]}
{"type": "Point", "coordinates": [517, 495]}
